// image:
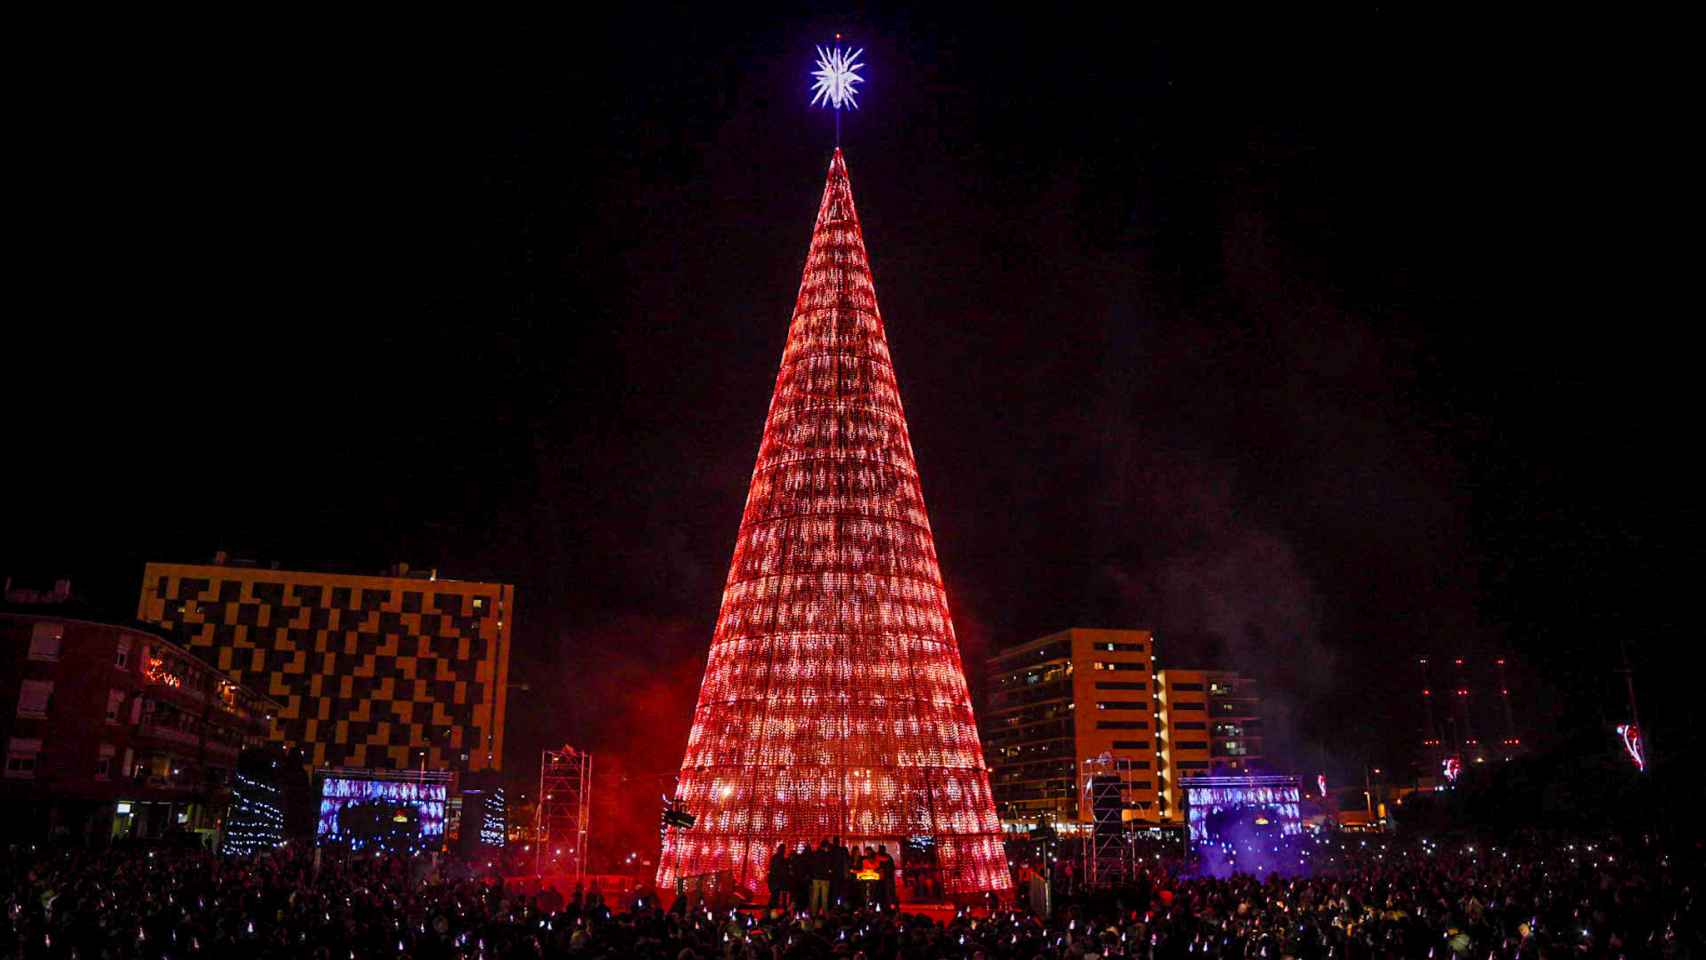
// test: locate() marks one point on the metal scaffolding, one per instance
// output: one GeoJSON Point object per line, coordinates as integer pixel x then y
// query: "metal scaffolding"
{"type": "Point", "coordinates": [1108, 849]}
{"type": "Point", "coordinates": [560, 825]}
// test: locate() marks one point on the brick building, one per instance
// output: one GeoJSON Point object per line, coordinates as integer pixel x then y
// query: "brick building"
{"type": "Point", "coordinates": [113, 730]}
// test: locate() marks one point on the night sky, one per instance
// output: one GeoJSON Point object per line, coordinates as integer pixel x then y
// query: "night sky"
{"type": "Point", "coordinates": [1291, 345]}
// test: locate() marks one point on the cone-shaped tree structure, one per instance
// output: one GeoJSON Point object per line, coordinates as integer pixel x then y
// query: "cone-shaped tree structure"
{"type": "Point", "coordinates": [834, 703]}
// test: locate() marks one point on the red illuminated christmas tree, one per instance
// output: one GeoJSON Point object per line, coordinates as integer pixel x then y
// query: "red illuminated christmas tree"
{"type": "Point", "coordinates": [834, 703]}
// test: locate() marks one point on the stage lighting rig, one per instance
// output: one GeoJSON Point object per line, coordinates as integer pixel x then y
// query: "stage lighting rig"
{"type": "Point", "coordinates": [675, 815]}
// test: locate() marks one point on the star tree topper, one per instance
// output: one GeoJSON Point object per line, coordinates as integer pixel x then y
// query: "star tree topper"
{"type": "Point", "coordinates": [835, 81]}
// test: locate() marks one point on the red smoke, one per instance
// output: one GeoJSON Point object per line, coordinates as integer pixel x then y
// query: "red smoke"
{"type": "Point", "coordinates": [627, 693]}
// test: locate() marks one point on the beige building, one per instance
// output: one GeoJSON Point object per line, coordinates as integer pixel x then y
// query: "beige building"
{"type": "Point", "coordinates": [1062, 701]}
{"type": "Point", "coordinates": [1208, 720]}
{"type": "Point", "coordinates": [1059, 701]}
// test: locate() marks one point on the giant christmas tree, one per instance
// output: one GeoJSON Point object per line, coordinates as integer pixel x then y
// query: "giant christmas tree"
{"type": "Point", "coordinates": [834, 703]}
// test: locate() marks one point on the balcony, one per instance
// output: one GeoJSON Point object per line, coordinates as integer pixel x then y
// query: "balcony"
{"type": "Point", "coordinates": [221, 748]}
{"type": "Point", "coordinates": [243, 724]}
{"type": "Point", "coordinates": [1031, 794]}
{"type": "Point", "coordinates": [1030, 733]}
{"type": "Point", "coordinates": [1004, 754]}
{"type": "Point", "coordinates": [155, 781]}
{"type": "Point", "coordinates": [181, 679]}
{"type": "Point", "coordinates": [169, 733]}
{"type": "Point", "coordinates": [1246, 747]}
{"type": "Point", "coordinates": [1057, 688]}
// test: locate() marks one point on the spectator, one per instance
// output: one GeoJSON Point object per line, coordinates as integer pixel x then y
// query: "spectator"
{"type": "Point", "coordinates": [1366, 898]}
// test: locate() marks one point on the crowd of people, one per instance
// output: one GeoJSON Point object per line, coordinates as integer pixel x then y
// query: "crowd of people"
{"type": "Point", "coordinates": [1369, 897]}
{"type": "Point", "coordinates": [814, 878]}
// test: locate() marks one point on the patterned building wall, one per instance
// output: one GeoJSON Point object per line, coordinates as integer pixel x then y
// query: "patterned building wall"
{"type": "Point", "coordinates": [369, 669]}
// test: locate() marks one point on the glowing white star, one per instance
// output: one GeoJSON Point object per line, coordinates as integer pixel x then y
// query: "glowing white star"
{"type": "Point", "coordinates": [837, 73]}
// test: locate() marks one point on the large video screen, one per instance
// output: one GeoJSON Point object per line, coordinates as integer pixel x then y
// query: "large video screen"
{"type": "Point", "coordinates": [1221, 806]}
{"type": "Point", "coordinates": [385, 813]}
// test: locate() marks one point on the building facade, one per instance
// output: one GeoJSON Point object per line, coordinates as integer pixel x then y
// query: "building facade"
{"type": "Point", "coordinates": [372, 672]}
{"type": "Point", "coordinates": [1208, 721]}
{"type": "Point", "coordinates": [115, 731]}
{"type": "Point", "coordinates": [1086, 702]}
{"type": "Point", "coordinates": [1234, 721]}
{"type": "Point", "coordinates": [1062, 700]}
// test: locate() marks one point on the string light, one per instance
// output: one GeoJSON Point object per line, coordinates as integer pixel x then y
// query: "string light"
{"type": "Point", "coordinates": [257, 817]}
{"type": "Point", "coordinates": [834, 702]}
{"type": "Point", "coordinates": [494, 819]}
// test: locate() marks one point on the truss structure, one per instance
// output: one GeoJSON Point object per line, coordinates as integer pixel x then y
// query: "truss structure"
{"type": "Point", "coordinates": [1107, 847]}
{"type": "Point", "coordinates": [565, 796]}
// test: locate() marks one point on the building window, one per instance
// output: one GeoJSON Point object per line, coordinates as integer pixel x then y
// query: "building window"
{"type": "Point", "coordinates": [1108, 665]}
{"type": "Point", "coordinates": [115, 705]}
{"type": "Point", "coordinates": [1190, 725]}
{"type": "Point", "coordinates": [121, 657]}
{"type": "Point", "coordinates": [1192, 764]}
{"type": "Point", "coordinates": [1188, 705]}
{"type": "Point", "coordinates": [104, 762]}
{"type": "Point", "coordinates": [1130, 647]}
{"type": "Point", "coordinates": [21, 758]}
{"type": "Point", "coordinates": [1134, 745]}
{"type": "Point", "coordinates": [1191, 745]}
{"type": "Point", "coordinates": [45, 640]}
{"type": "Point", "coordinates": [1192, 687]}
{"type": "Point", "coordinates": [1121, 685]}
{"type": "Point", "coordinates": [34, 697]}
{"type": "Point", "coordinates": [1122, 724]}
{"type": "Point", "coordinates": [1122, 704]}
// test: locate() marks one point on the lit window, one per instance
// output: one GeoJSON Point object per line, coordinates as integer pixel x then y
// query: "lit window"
{"type": "Point", "coordinates": [45, 640]}
{"type": "Point", "coordinates": [21, 758]}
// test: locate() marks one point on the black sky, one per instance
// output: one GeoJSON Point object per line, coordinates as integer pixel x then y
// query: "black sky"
{"type": "Point", "coordinates": [1291, 344]}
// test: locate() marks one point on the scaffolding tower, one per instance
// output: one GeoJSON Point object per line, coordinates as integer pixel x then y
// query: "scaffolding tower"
{"type": "Point", "coordinates": [560, 828]}
{"type": "Point", "coordinates": [1108, 859]}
